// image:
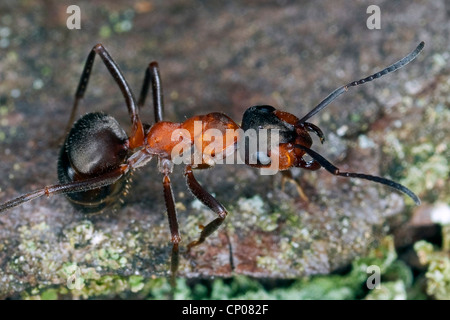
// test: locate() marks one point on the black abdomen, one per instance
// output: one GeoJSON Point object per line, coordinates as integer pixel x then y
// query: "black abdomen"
{"type": "Point", "coordinates": [96, 144]}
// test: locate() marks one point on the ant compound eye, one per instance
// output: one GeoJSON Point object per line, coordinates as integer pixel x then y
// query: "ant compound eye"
{"type": "Point", "coordinates": [261, 158]}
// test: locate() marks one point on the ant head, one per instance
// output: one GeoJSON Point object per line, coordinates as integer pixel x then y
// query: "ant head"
{"type": "Point", "coordinates": [264, 117]}
{"type": "Point", "coordinates": [254, 116]}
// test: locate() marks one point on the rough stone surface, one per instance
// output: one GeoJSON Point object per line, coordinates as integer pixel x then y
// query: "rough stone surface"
{"type": "Point", "coordinates": [222, 56]}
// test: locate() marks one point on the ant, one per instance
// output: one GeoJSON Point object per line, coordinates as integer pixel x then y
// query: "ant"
{"type": "Point", "coordinates": [98, 156]}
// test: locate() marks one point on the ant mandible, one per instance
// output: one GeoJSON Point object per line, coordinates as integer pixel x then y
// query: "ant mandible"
{"type": "Point", "coordinates": [97, 156]}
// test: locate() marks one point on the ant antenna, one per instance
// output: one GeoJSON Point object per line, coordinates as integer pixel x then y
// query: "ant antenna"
{"type": "Point", "coordinates": [335, 170]}
{"type": "Point", "coordinates": [336, 93]}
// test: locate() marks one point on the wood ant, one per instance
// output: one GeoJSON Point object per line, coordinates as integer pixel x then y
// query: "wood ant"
{"type": "Point", "coordinates": [97, 156]}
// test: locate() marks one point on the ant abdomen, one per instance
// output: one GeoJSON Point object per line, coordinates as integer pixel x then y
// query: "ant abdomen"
{"type": "Point", "coordinates": [95, 145]}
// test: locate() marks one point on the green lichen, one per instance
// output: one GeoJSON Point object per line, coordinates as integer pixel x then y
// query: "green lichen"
{"type": "Point", "coordinates": [255, 210]}
{"type": "Point", "coordinates": [81, 234]}
{"type": "Point", "coordinates": [422, 161]}
{"type": "Point", "coordinates": [136, 283]}
{"type": "Point", "coordinates": [396, 280]}
{"type": "Point", "coordinates": [438, 262]}
{"type": "Point", "coordinates": [224, 290]}
{"type": "Point", "coordinates": [429, 170]}
{"type": "Point", "coordinates": [105, 32]}
{"type": "Point", "coordinates": [393, 290]}
{"type": "Point", "coordinates": [258, 217]}
{"type": "Point", "coordinates": [382, 256]}
{"type": "Point", "coordinates": [4, 110]}
{"type": "Point", "coordinates": [50, 294]}
{"type": "Point", "coordinates": [269, 263]}
{"type": "Point", "coordinates": [438, 276]}
{"type": "Point", "coordinates": [98, 262]}
{"type": "Point", "coordinates": [118, 22]}
{"type": "Point", "coordinates": [86, 263]}
{"type": "Point", "coordinates": [84, 283]}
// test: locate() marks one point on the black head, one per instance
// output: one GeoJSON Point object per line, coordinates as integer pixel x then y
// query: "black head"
{"type": "Point", "coordinates": [263, 117]}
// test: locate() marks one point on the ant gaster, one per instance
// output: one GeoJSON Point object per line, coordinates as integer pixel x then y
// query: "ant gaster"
{"type": "Point", "coordinates": [98, 156]}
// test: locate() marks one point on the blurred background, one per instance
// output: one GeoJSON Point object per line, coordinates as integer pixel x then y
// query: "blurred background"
{"type": "Point", "coordinates": [225, 57]}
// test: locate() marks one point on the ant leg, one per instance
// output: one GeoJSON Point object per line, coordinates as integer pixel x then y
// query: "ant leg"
{"type": "Point", "coordinates": [173, 225]}
{"type": "Point", "coordinates": [153, 76]}
{"type": "Point", "coordinates": [79, 94]}
{"type": "Point", "coordinates": [335, 170]}
{"type": "Point", "coordinates": [174, 262]}
{"type": "Point", "coordinates": [82, 85]}
{"type": "Point", "coordinates": [135, 161]}
{"type": "Point", "coordinates": [171, 211]}
{"type": "Point", "coordinates": [336, 93]}
{"type": "Point", "coordinates": [137, 136]}
{"type": "Point", "coordinates": [287, 177]}
{"type": "Point", "coordinates": [76, 186]}
{"type": "Point", "coordinates": [208, 200]}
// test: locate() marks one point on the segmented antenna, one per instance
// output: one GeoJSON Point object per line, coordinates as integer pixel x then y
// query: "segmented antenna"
{"type": "Point", "coordinates": [336, 93]}
{"type": "Point", "coordinates": [327, 165]}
